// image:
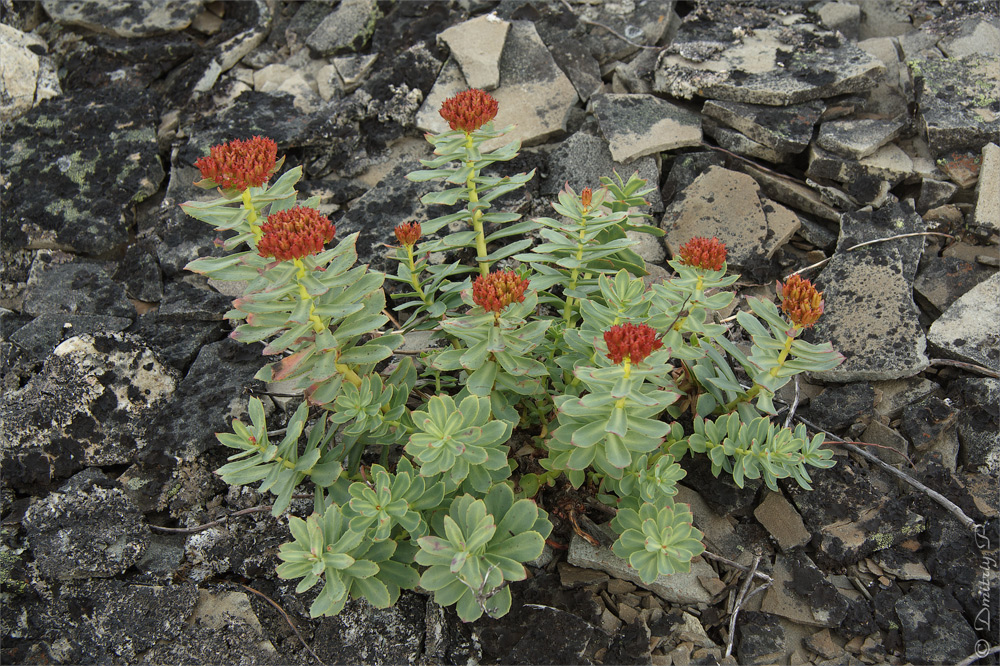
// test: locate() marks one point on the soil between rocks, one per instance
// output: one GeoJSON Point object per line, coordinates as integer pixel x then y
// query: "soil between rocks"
{"type": "Point", "coordinates": [116, 368]}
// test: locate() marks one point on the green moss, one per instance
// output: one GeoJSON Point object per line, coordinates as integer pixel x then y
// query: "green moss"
{"type": "Point", "coordinates": [7, 561]}
{"type": "Point", "coordinates": [65, 209]}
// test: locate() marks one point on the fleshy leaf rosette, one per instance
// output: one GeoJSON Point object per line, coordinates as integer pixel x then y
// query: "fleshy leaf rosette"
{"type": "Point", "coordinates": [658, 539]}
{"type": "Point", "coordinates": [469, 110]}
{"type": "Point", "coordinates": [800, 301]}
{"type": "Point", "coordinates": [239, 164]}
{"type": "Point", "coordinates": [295, 233]}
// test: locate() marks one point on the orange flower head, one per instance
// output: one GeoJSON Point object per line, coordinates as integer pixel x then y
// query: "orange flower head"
{"type": "Point", "coordinates": [497, 290]}
{"type": "Point", "coordinates": [632, 342]}
{"type": "Point", "coordinates": [800, 301]}
{"type": "Point", "coordinates": [586, 197]}
{"type": "Point", "coordinates": [469, 110]}
{"type": "Point", "coordinates": [408, 233]}
{"type": "Point", "coordinates": [707, 253]}
{"type": "Point", "coordinates": [295, 233]}
{"type": "Point", "coordinates": [240, 164]}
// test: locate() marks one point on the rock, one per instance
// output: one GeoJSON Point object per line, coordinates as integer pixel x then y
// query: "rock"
{"type": "Point", "coordinates": [988, 191]}
{"type": "Point", "coordinates": [346, 28]}
{"type": "Point", "coordinates": [206, 400]}
{"type": "Point", "coordinates": [43, 334]}
{"type": "Point", "coordinates": [972, 37]}
{"type": "Point", "coordinates": [528, 77]}
{"type": "Point", "coordinates": [142, 18]}
{"type": "Point", "coordinates": [892, 98]}
{"type": "Point", "coordinates": [542, 634]}
{"type": "Point", "coordinates": [353, 69]}
{"type": "Point", "coordinates": [845, 18]}
{"type": "Point", "coordinates": [978, 424]}
{"type": "Point", "coordinates": [23, 66]}
{"type": "Point", "coordinates": [858, 138]}
{"type": "Point", "coordinates": [679, 588]}
{"type": "Point", "coordinates": [184, 301]}
{"type": "Point", "coordinates": [685, 168]}
{"type": "Point", "coordinates": [730, 206]}
{"type": "Point", "coordinates": [934, 193]}
{"type": "Point", "coordinates": [870, 316]}
{"type": "Point", "coordinates": [955, 97]}
{"type": "Point", "coordinates": [760, 639]}
{"type": "Point", "coordinates": [740, 144]}
{"type": "Point", "coordinates": [786, 129]}
{"type": "Point", "coordinates": [628, 646]}
{"type": "Point", "coordinates": [791, 193]}
{"type": "Point", "coordinates": [637, 125]}
{"type": "Point", "coordinates": [258, 19]}
{"type": "Point", "coordinates": [583, 158]}
{"type": "Point", "coordinates": [934, 631]}
{"type": "Point", "coordinates": [578, 64]}
{"type": "Point", "coordinates": [802, 593]}
{"type": "Point", "coordinates": [98, 145]}
{"type": "Point", "coordinates": [822, 643]}
{"type": "Point", "coordinates": [902, 564]}
{"type": "Point", "coordinates": [887, 441]}
{"type": "Point", "coordinates": [86, 407]}
{"type": "Point", "coordinates": [876, 528]}
{"type": "Point", "coordinates": [720, 492]}
{"type": "Point", "coordinates": [781, 519]}
{"type": "Point", "coordinates": [898, 393]}
{"type": "Point", "coordinates": [285, 79]}
{"type": "Point", "coordinates": [139, 271]}
{"type": "Point", "coordinates": [943, 280]}
{"type": "Point", "coordinates": [888, 163]}
{"type": "Point", "coordinates": [967, 330]}
{"type": "Point", "coordinates": [714, 55]}
{"type": "Point", "coordinates": [476, 45]}
{"type": "Point", "coordinates": [176, 343]}
{"type": "Point", "coordinates": [88, 529]}
{"type": "Point", "coordinates": [962, 167]}
{"type": "Point", "coordinates": [60, 285]}
{"type": "Point", "coordinates": [718, 531]}
{"type": "Point", "coordinates": [572, 577]}
{"type": "Point", "coordinates": [839, 406]}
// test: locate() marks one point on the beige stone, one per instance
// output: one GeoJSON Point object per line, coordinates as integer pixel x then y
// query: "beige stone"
{"type": "Point", "coordinates": [19, 68]}
{"type": "Point", "coordinates": [781, 519]}
{"type": "Point", "coordinates": [476, 45]}
{"type": "Point", "coordinates": [988, 201]}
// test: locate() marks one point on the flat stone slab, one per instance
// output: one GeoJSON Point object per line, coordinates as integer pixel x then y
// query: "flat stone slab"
{"type": "Point", "coordinates": [637, 125]}
{"type": "Point", "coordinates": [57, 286]}
{"type": "Point", "coordinates": [476, 45]}
{"type": "Point", "coordinates": [858, 138]}
{"type": "Point", "coordinates": [870, 316]}
{"type": "Point", "coordinates": [786, 129]}
{"type": "Point", "coordinates": [534, 95]}
{"type": "Point", "coordinates": [893, 219]}
{"type": "Point", "coordinates": [889, 163]}
{"type": "Point", "coordinates": [137, 18]}
{"type": "Point", "coordinates": [957, 101]}
{"type": "Point", "coordinates": [943, 280]}
{"type": "Point", "coordinates": [347, 28]}
{"type": "Point", "coordinates": [988, 195]}
{"type": "Point", "coordinates": [729, 205]}
{"type": "Point", "coordinates": [802, 593]}
{"type": "Point", "coordinates": [789, 61]}
{"type": "Point", "coordinates": [792, 193]}
{"type": "Point", "coordinates": [969, 329]}
{"type": "Point", "coordinates": [678, 588]}
{"type": "Point", "coordinates": [740, 143]}
{"type": "Point", "coordinates": [780, 518]}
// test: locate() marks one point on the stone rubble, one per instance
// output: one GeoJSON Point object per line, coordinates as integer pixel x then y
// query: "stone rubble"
{"type": "Point", "coordinates": [792, 132]}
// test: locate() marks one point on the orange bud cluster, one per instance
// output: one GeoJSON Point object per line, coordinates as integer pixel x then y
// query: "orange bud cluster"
{"type": "Point", "coordinates": [408, 233]}
{"type": "Point", "coordinates": [586, 197]}
{"type": "Point", "coordinates": [295, 233]}
{"type": "Point", "coordinates": [707, 253]}
{"type": "Point", "coordinates": [631, 341]}
{"type": "Point", "coordinates": [469, 110]}
{"type": "Point", "coordinates": [240, 164]}
{"type": "Point", "coordinates": [800, 301]}
{"type": "Point", "coordinates": [497, 290]}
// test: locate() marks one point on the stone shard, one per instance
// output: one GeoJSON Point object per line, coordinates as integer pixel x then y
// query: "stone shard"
{"type": "Point", "coordinates": [791, 193]}
{"type": "Point", "coordinates": [988, 195]}
{"type": "Point", "coordinates": [888, 163]}
{"type": "Point", "coordinates": [637, 125]}
{"type": "Point", "coordinates": [781, 519]}
{"type": "Point", "coordinates": [721, 52]}
{"type": "Point", "coordinates": [761, 639]}
{"type": "Point", "coordinates": [740, 143]}
{"type": "Point", "coordinates": [802, 593]}
{"type": "Point", "coordinates": [973, 37]}
{"type": "Point", "coordinates": [969, 329]}
{"type": "Point", "coordinates": [730, 206]}
{"type": "Point", "coordinates": [534, 94]}
{"type": "Point", "coordinates": [934, 631]}
{"type": "Point", "coordinates": [139, 18]}
{"type": "Point", "coordinates": [893, 219]}
{"type": "Point", "coordinates": [787, 129]}
{"type": "Point", "coordinates": [957, 101]}
{"type": "Point", "coordinates": [476, 45]}
{"type": "Point", "coordinates": [943, 280]}
{"type": "Point", "coordinates": [20, 71]}
{"type": "Point", "coordinates": [347, 28]}
{"type": "Point", "coordinates": [45, 332]}
{"type": "Point", "coordinates": [876, 528]}
{"type": "Point", "coordinates": [57, 286]}
{"type": "Point", "coordinates": [858, 138]}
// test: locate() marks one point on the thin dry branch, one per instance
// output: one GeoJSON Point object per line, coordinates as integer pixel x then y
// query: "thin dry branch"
{"type": "Point", "coordinates": [287, 619]}
{"type": "Point", "coordinates": [966, 366]}
{"type": "Point", "coordinates": [220, 521]}
{"type": "Point", "coordinates": [736, 565]}
{"type": "Point", "coordinates": [973, 658]}
{"type": "Point", "coordinates": [740, 600]}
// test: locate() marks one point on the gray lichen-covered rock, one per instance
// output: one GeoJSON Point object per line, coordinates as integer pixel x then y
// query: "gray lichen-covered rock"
{"type": "Point", "coordinates": [979, 424]}
{"type": "Point", "coordinates": [86, 407]}
{"type": "Point", "coordinates": [957, 101]}
{"type": "Point", "coordinates": [969, 329]}
{"type": "Point", "coordinates": [934, 631]}
{"type": "Point", "coordinates": [786, 129]}
{"type": "Point", "coordinates": [858, 138]}
{"type": "Point", "coordinates": [73, 166]}
{"type": "Point", "coordinates": [60, 284]}
{"type": "Point", "coordinates": [943, 280]}
{"type": "Point", "coordinates": [730, 206]}
{"type": "Point", "coordinates": [742, 54]}
{"type": "Point", "coordinates": [140, 18]}
{"type": "Point", "coordinates": [364, 634]}
{"type": "Point", "coordinates": [346, 28]}
{"type": "Point", "coordinates": [637, 125]}
{"type": "Point", "coordinates": [88, 529]}
{"type": "Point", "coordinates": [43, 334]}
{"type": "Point", "coordinates": [761, 639]}
{"type": "Point", "coordinates": [893, 219]}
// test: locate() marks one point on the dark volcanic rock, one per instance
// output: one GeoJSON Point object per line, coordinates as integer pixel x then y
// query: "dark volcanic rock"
{"type": "Point", "coordinates": [927, 421]}
{"type": "Point", "coordinates": [88, 529]}
{"type": "Point", "coordinates": [934, 631]}
{"type": "Point", "coordinates": [57, 286]}
{"type": "Point", "coordinates": [943, 280]}
{"type": "Point", "coordinates": [760, 638]}
{"type": "Point", "coordinates": [100, 146]}
{"type": "Point", "coordinates": [839, 406]}
{"type": "Point", "coordinates": [176, 343]}
{"type": "Point", "coordinates": [99, 61]}
{"type": "Point", "coordinates": [38, 338]}
{"type": "Point", "coordinates": [141, 18]}
{"type": "Point", "coordinates": [185, 302]}
{"type": "Point", "coordinates": [85, 408]}
{"type": "Point", "coordinates": [721, 493]}
{"type": "Point", "coordinates": [140, 272]}
{"type": "Point", "coordinates": [367, 635]}
{"type": "Point", "coordinates": [979, 423]}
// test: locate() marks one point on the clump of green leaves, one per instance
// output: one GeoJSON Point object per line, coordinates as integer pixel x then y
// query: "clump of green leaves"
{"type": "Point", "coordinates": [568, 343]}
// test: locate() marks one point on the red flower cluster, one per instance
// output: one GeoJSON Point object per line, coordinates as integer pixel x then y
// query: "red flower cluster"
{"type": "Point", "coordinates": [497, 290]}
{"type": "Point", "coordinates": [295, 233]}
{"type": "Point", "coordinates": [408, 233]}
{"type": "Point", "coordinates": [240, 164]}
{"type": "Point", "coordinates": [800, 301]}
{"type": "Point", "coordinates": [469, 110]}
{"type": "Point", "coordinates": [630, 341]}
{"type": "Point", "coordinates": [707, 253]}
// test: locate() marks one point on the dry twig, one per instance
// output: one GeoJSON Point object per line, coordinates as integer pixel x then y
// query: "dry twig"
{"type": "Point", "coordinates": [740, 600]}
{"type": "Point", "coordinates": [220, 521]}
{"type": "Point", "coordinates": [973, 658]}
{"type": "Point", "coordinates": [966, 366]}
{"type": "Point", "coordinates": [287, 619]}
{"type": "Point", "coordinates": [736, 565]}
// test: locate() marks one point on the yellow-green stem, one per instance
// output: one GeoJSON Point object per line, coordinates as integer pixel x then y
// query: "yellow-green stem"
{"type": "Point", "coordinates": [317, 323]}
{"type": "Point", "coordinates": [477, 215]}
{"type": "Point", "coordinates": [574, 274]}
{"type": "Point", "coordinates": [252, 216]}
{"type": "Point", "coordinates": [349, 374]}
{"type": "Point", "coordinates": [783, 356]}
{"type": "Point", "coordinates": [414, 278]}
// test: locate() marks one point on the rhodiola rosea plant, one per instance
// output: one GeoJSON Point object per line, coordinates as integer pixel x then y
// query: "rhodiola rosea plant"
{"type": "Point", "coordinates": [408, 459]}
